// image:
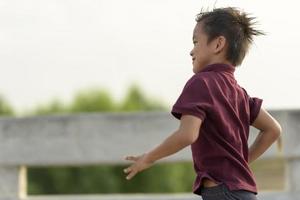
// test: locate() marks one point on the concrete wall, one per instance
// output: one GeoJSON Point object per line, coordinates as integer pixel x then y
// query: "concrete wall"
{"type": "Point", "coordinates": [97, 138]}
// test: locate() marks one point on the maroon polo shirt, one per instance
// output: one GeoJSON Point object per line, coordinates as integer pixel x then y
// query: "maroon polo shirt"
{"type": "Point", "coordinates": [221, 151]}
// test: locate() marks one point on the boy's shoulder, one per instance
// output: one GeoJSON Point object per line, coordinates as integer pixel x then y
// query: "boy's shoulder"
{"type": "Point", "coordinates": [202, 77]}
{"type": "Point", "coordinates": [199, 81]}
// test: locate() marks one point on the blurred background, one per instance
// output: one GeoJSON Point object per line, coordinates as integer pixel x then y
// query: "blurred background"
{"type": "Point", "coordinates": [121, 56]}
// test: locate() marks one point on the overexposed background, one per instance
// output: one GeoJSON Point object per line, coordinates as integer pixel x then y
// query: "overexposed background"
{"type": "Point", "coordinates": [52, 48]}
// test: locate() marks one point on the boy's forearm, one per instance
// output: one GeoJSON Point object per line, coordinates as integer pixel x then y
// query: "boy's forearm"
{"type": "Point", "coordinates": [170, 145]}
{"type": "Point", "coordinates": [262, 142]}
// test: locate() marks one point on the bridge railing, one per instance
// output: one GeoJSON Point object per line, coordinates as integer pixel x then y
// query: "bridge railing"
{"type": "Point", "coordinates": [104, 138]}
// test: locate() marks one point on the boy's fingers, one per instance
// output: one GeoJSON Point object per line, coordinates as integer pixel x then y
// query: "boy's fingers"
{"type": "Point", "coordinates": [130, 158]}
{"type": "Point", "coordinates": [132, 174]}
{"type": "Point", "coordinates": [127, 157]}
{"type": "Point", "coordinates": [127, 169]}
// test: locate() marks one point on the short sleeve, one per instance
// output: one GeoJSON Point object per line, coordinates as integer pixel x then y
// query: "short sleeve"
{"type": "Point", "coordinates": [254, 105]}
{"type": "Point", "coordinates": [195, 99]}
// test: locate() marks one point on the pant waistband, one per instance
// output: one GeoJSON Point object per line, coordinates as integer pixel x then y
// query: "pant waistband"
{"type": "Point", "coordinates": [214, 189]}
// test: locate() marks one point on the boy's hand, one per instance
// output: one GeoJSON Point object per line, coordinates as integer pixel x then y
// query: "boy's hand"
{"type": "Point", "coordinates": [141, 163]}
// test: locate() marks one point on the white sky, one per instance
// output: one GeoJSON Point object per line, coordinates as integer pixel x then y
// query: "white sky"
{"type": "Point", "coordinates": [53, 48]}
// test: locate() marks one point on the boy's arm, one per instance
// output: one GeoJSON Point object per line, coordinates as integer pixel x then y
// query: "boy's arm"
{"type": "Point", "coordinates": [186, 134]}
{"type": "Point", "coordinates": [270, 130]}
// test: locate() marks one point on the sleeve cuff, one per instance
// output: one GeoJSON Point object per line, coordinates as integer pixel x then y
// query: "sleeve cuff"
{"type": "Point", "coordinates": [256, 110]}
{"type": "Point", "coordinates": [178, 111]}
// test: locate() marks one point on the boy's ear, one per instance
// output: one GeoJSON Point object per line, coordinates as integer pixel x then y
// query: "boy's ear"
{"type": "Point", "coordinates": [220, 43]}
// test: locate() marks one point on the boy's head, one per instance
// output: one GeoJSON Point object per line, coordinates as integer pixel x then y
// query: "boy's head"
{"type": "Point", "coordinates": [222, 35]}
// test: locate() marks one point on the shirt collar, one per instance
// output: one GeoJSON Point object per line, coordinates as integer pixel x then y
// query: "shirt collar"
{"type": "Point", "coordinates": [219, 67]}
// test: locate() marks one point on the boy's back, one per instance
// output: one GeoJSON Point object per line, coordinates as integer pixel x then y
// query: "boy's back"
{"type": "Point", "coordinates": [221, 151]}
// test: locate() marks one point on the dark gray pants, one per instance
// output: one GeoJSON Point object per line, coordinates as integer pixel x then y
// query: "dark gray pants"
{"type": "Point", "coordinates": [221, 192]}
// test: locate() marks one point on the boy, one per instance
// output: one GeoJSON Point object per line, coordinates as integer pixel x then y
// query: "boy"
{"type": "Point", "coordinates": [216, 113]}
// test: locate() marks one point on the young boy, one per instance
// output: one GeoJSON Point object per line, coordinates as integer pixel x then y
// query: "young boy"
{"type": "Point", "coordinates": [215, 112]}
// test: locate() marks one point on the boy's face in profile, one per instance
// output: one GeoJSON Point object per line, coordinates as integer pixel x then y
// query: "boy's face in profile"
{"type": "Point", "coordinates": [202, 53]}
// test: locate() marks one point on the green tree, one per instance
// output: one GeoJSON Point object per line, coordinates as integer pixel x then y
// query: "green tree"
{"type": "Point", "coordinates": [5, 108]}
{"type": "Point", "coordinates": [136, 100]}
{"type": "Point", "coordinates": [54, 106]}
{"type": "Point", "coordinates": [92, 100]}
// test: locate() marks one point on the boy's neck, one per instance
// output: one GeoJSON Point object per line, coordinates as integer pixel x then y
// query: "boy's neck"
{"type": "Point", "coordinates": [221, 61]}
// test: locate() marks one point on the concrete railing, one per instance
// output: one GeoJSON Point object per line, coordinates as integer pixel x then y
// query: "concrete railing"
{"type": "Point", "coordinates": [104, 138]}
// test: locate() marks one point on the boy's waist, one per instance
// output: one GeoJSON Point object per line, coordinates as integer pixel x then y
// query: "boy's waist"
{"type": "Point", "coordinates": [208, 183]}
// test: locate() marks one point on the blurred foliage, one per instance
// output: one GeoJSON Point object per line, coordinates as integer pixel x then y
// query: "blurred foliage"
{"type": "Point", "coordinates": [92, 100]}
{"type": "Point", "coordinates": [51, 107]}
{"type": "Point", "coordinates": [162, 178]}
{"type": "Point", "coordinates": [135, 100]}
{"type": "Point", "coordinates": [5, 108]}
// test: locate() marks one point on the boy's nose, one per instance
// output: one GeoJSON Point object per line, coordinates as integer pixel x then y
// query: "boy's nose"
{"type": "Point", "coordinates": [191, 53]}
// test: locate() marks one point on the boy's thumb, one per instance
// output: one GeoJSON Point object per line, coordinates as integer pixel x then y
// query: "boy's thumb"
{"type": "Point", "coordinates": [134, 158]}
{"type": "Point", "coordinates": [127, 157]}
